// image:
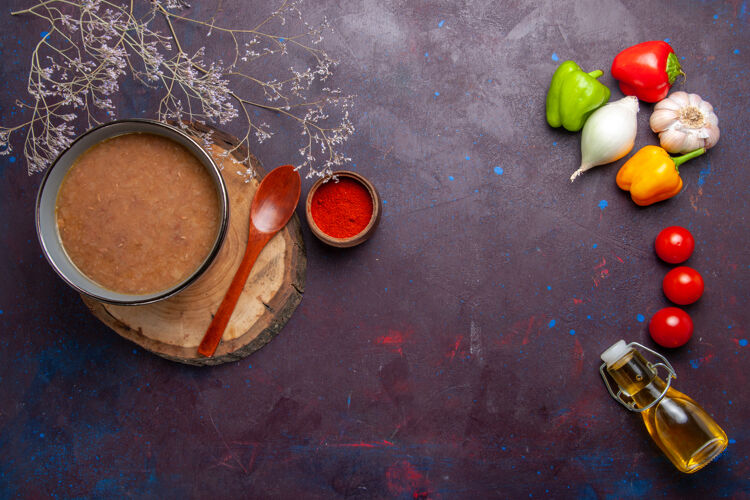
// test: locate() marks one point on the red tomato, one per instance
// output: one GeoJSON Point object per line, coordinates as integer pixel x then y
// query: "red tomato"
{"type": "Point", "coordinates": [683, 285]}
{"type": "Point", "coordinates": [674, 244]}
{"type": "Point", "coordinates": [671, 327]}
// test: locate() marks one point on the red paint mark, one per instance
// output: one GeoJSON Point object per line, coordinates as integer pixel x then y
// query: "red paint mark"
{"type": "Point", "coordinates": [452, 353]}
{"type": "Point", "coordinates": [602, 274]}
{"type": "Point", "coordinates": [252, 459]}
{"type": "Point", "coordinates": [402, 477]}
{"type": "Point", "coordinates": [620, 259]}
{"type": "Point", "coordinates": [393, 337]}
{"type": "Point", "coordinates": [705, 359]}
{"type": "Point", "coordinates": [395, 340]}
{"type": "Point", "coordinates": [562, 418]}
{"type": "Point", "coordinates": [528, 328]}
{"type": "Point", "coordinates": [577, 301]}
{"type": "Point", "coordinates": [528, 332]}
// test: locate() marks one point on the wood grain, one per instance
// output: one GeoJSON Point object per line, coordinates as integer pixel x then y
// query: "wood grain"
{"type": "Point", "coordinates": [173, 328]}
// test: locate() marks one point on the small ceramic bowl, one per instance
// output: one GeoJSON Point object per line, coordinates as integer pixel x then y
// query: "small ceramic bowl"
{"type": "Point", "coordinates": [46, 220]}
{"type": "Point", "coordinates": [363, 235]}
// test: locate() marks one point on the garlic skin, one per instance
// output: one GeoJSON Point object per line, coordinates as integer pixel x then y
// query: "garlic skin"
{"type": "Point", "coordinates": [685, 122]}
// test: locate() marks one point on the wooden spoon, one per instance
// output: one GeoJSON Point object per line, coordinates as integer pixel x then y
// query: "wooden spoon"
{"type": "Point", "coordinates": [273, 205]}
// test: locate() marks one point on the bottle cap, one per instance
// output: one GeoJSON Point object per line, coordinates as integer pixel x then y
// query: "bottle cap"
{"type": "Point", "coordinates": [615, 352]}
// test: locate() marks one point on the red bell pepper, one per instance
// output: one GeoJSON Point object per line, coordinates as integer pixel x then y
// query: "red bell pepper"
{"type": "Point", "coordinates": [647, 70]}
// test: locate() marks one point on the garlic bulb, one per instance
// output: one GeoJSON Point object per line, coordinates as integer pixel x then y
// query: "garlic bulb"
{"type": "Point", "coordinates": [685, 122]}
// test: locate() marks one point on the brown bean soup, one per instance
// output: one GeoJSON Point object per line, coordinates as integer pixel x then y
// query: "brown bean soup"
{"type": "Point", "coordinates": [137, 213]}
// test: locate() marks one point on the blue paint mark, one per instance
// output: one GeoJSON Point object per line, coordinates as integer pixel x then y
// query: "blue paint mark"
{"type": "Point", "coordinates": [595, 245]}
{"type": "Point", "coordinates": [716, 16]}
{"type": "Point", "coordinates": [249, 366]}
{"type": "Point", "coordinates": [105, 485]}
{"type": "Point", "coordinates": [281, 39]}
{"type": "Point", "coordinates": [641, 318]}
{"type": "Point", "coordinates": [572, 332]}
{"type": "Point", "coordinates": [349, 401]}
{"type": "Point", "coordinates": [468, 158]}
{"type": "Point", "coordinates": [742, 342]}
{"type": "Point", "coordinates": [427, 54]}
{"type": "Point", "coordinates": [450, 178]}
{"type": "Point", "coordinates": [44, 34]}
{"type": "Point", "coordinates": [441, 23]}
{"type": "Point", "coordinates": [12, 159]}
{"type": "Point", "coordinates": [437, 93]}
{"type": "Point", "coordinates": [666, 40]}
{"type": "Point", "coordinates": [603, 204]}
{"type": "Point", "coordinates": [384, 202]}
{"type": "Point", "coordinates": [736, 51]}
{"type": "Point", "coordinates": [551, 323]}
{"type": "Point", "coordinates": [694, 363]}
{"type": "Point", "coordinates": [555, 57]}
{"type": "Point", "coordinates": [704, 173]}
{"type": "Point", "coordinates": [554, 143]}
{"type": "Point", "coordinates": [549, 287]}
{"type": "Point", "coordinates": [1, 312]}
{"type": "Point", "coordinates": [588, 317]}
{"type": "Point", "coordinates": [498, 170]}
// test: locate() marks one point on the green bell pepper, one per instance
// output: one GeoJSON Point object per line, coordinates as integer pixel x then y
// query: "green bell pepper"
{"type": "Point", "coordinates": [573, 95]}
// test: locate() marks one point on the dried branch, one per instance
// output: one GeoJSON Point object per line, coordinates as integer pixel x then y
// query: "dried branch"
{"type": "Point", "coordinates": [92, 45]}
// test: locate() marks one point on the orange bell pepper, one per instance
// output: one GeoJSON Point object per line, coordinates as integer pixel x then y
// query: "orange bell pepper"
{"type": "Point", "coordinates": [652, 175]}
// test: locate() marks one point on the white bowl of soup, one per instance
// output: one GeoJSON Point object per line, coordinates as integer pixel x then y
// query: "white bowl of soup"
{"type": "Point", "coordinates": [132, 212]}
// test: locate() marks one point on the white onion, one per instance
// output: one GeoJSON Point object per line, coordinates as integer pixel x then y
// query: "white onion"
{"type": "Point", "coordinates": [609, 134]}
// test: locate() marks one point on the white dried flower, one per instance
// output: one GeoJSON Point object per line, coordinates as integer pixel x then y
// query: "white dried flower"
{"type": "Point", "coordinates": [81, 77]}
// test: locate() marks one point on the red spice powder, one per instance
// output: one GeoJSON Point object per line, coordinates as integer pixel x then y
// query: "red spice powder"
{"type": "Point", "coordinates": [341, 209]}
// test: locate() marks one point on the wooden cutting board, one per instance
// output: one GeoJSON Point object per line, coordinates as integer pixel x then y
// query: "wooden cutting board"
{"type": "Point", "coordinates": [173, 328]}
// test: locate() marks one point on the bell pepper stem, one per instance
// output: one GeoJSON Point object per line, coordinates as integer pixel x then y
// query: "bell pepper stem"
{"type": "Point", "coordinates": [673, 69]}
{"type": "Point", "coordinates": [596, 73]}
{"type": "Point", "coordinates": [679, 160]}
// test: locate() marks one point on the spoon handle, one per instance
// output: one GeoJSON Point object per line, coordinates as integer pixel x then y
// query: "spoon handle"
{"type": "Point", "coordinates": [256, 241]}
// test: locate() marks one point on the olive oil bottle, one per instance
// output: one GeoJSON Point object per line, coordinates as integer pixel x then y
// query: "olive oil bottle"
{"type": "Point", "coordinates": [683, 430]}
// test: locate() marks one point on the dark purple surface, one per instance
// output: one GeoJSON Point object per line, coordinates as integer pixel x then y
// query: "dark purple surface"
{"type": "Point", "coordinates": [455, 354]}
